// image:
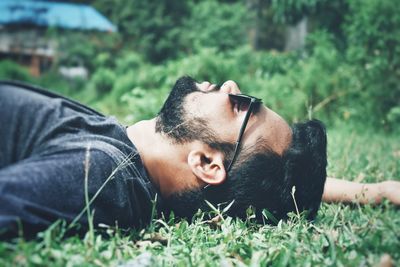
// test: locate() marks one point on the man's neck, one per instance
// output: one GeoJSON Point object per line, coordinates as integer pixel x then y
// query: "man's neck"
{"type": "Point", "coordinates": [164, 161]}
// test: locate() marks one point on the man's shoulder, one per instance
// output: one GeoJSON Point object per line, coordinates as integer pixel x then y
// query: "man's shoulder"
{"type": "Point", "coordinates": [103, 156]}
{"type": "Point", "coordinates": [95, 148]}
{"type": "Point", "coordinates": [34, 90]}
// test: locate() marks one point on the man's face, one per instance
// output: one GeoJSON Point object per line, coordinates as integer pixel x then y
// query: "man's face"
{"type": "Point", "coordinates": [192, 102]}
{"type": "Point", "coordinates": [225, 117]}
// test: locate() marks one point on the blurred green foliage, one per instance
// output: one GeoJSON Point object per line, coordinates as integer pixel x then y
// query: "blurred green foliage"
{"type": "Point", "coordinates": [348, 70]}
{"type": "Point", "coordinates": [373, 37]}
{"type": "Point", "coordinates": [214, 24]}
{"type": "Point", "coordinates": [149, 27]}
{"type": "Point", "coordinates": [13, 71]}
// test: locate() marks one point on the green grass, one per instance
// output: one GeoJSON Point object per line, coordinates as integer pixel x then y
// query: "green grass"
{"type": "Point", "coordinates": [342, 235]}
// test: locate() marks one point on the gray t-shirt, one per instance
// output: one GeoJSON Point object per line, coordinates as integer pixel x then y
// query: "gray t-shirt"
{"type": "Point", "coordinates": [48, 145]}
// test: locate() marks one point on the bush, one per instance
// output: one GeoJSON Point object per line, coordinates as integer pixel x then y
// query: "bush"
{"type": "Point", "coordinates": [373, 36]}
{"type": "Point", "coordinates": [213, 24]}
{"type": "Point", "coordinates": [143, 104]}
{"type": "Point", "coordinates": [103, 80]}
{"type": "Point", "coordinates": [65, 86]}
{"type": "Point", "coordinates": [10, 70]}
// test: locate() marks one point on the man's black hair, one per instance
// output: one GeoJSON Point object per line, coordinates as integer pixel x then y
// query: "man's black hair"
{"type": "Point", "coordinates": [264, 180]}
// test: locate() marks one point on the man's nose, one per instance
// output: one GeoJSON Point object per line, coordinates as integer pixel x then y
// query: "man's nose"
{"type": "Point", "coordinates": [230, 87]}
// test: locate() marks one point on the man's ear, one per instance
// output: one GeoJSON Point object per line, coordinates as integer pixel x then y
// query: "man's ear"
{"type": "Point", "coordinates": [207, 165]}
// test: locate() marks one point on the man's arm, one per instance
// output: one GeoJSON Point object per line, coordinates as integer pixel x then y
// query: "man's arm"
{"type": "Point", "coordinates": [337, 190]}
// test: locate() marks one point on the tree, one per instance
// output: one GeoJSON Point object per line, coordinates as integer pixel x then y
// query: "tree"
{"type": "Point", "coordinates": [149, 26]}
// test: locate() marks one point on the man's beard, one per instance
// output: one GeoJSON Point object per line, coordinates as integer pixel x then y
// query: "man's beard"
{"type": "Point", "coordinates": [172, 119]}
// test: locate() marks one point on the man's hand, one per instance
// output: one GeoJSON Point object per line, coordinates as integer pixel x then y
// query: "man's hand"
{"type": "Point", "coordinates": [391, 191]}
{"type": "Point", "coordinates": [337, 190]}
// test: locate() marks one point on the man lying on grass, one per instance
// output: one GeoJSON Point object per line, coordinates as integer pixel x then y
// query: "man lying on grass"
{"type": "Point", "coordinates": [207, 143]}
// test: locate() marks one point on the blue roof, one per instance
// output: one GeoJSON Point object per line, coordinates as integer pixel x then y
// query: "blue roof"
{"type": "Point", "coordinates": [55, 14]}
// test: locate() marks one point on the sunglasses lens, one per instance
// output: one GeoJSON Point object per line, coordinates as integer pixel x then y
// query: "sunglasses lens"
{"type": "Point", "coordinates": [242, 101]}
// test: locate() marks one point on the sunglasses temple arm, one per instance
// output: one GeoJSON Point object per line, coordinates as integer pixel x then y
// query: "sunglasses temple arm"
{"type": "Point", "coordinates": [234, 157]}
{"type": "Point", "coordinates": [241, 134]}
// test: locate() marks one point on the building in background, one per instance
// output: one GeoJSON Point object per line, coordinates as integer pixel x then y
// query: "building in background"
{"type": "Point", "coordinates": [24, 25]}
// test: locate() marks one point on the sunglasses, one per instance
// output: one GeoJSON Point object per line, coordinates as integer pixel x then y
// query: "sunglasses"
{"type": "Point", "coordinates": [243, 102]}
